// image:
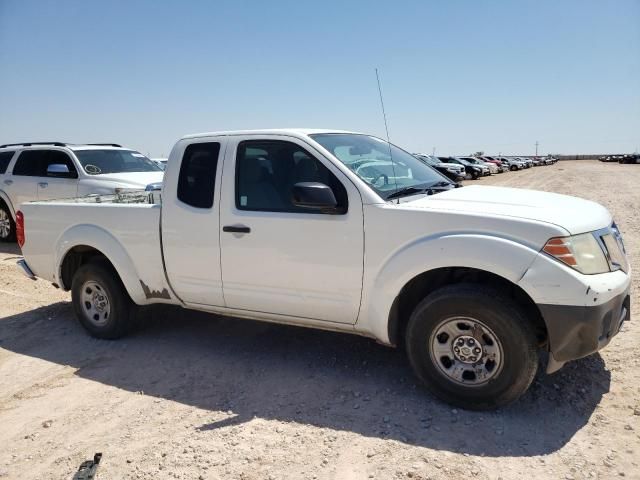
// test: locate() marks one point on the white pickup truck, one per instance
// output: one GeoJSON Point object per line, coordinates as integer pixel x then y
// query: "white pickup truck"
{"type": "Point", "coordinates": [343, 231]}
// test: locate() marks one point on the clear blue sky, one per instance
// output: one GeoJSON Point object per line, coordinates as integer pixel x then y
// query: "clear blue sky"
{"type": "Point", "coordinates": [459, 76]}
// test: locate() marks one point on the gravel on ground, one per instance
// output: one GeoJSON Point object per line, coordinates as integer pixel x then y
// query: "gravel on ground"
{"type": "Point", "coordinates": [195, 396]}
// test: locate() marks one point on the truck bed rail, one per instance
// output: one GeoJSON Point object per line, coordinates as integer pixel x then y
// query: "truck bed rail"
{"type": "Point", "coordinates": [126, 197]}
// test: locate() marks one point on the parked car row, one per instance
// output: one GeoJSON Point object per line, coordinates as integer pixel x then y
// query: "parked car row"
{"type": "Point", "coordinates": [473, 167]}
{"type": "Point", "coordinates": [630, 158]}
{"type": "Point", "coordinates": [626, 158]}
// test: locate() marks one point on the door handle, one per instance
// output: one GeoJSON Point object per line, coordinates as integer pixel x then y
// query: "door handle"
{"type": "Point", "coordinates": [8, 182]}
{"type": "Point", "coordinates": [43, 184]}
{"type": "Point", "coordinates": [236, 229]}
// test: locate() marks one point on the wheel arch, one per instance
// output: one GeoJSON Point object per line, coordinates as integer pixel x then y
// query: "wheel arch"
{"type": "Point", "coordinates": [5, 200]}
{"type": "Point", "coordinates": [83, 243]}
{"type": "Point", "coordinates": [429, 281]}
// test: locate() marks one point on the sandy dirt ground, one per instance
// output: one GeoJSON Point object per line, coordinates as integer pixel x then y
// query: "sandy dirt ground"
{"type": "Point", "coordinates": [194, 396]}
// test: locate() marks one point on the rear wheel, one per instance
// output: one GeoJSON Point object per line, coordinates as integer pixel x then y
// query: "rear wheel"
{"type": "Point", "coordinates": [472, 346]}
{"type": "Point", "coordinates": [101, 303]}
{"type": "Point", "coordinates": [7, 225]}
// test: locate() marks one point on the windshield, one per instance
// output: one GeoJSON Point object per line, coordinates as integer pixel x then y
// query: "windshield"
{"type": "Point", "coordinates": [369, 158]}
{"type": "Point", "coordinates": [97, 162]}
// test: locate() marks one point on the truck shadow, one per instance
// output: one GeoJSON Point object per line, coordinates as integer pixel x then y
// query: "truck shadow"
{"type": "Point", "coordinates": [10, 248]}
{"type": "Point", "coordinates": [336, 381]}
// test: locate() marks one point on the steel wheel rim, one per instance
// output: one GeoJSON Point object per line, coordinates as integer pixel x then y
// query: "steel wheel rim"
{"type": "Point", "coordinates": [466, 351]}
{"type": "Point", "coordinates": [95, 303]}
{"type": "Point", "coordinates": [5, 224]}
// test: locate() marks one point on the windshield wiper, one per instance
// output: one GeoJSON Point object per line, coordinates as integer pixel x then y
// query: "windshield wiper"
{"type": "Point", "coordinates": [441, 183]}
{"type": "Point", "coordinates": [407, 191]}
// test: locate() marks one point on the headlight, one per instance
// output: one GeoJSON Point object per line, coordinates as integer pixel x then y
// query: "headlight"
{"type": "Point", "coordinates": [581, 252]}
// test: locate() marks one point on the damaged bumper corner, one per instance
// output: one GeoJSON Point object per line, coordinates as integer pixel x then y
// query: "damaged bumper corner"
{"type": "Point", "coordinates": [578, 331]}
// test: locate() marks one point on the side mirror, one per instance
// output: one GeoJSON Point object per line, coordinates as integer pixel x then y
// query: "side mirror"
{"type": "Point", "coordinates": [59, 170]}
{"type": "Point", "coordinates": [314, 196]}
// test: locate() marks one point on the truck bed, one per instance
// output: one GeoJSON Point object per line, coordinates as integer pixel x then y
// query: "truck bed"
{"type": "Point", "coordinates": [125, 227]}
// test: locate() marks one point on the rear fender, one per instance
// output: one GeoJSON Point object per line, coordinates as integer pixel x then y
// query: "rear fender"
{"type": "Point", "coordinates": [103, 241]}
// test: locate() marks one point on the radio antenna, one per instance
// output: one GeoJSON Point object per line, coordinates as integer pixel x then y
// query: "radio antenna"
{"type": "Point", "coordinates": [384, 115]}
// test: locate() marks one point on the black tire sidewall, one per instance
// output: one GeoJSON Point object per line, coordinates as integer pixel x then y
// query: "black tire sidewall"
{"type": "Point", "coordinates": [120, 303]}
{"type": "Point", "coordinates": [505, 320]}
{"type": "Point", "coordinates": [12, 226]}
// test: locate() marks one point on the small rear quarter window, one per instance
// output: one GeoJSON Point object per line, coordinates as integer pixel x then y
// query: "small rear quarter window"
{"type": "Point", "coordinates": [5, 159]}
{"type": "Point", "coordinates": [197, 178]}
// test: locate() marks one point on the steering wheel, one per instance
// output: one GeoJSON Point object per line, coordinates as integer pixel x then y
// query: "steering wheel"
{"type": "Point", "coordinates": [381, 175]}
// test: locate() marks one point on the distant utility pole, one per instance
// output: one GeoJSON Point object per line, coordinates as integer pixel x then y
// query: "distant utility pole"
{"type": "Point", "coordinates": [536, 148]}
{"type": "Point", "coordinates": [433, 152]}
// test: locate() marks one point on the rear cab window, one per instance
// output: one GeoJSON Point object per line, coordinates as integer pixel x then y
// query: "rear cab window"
{"type": "Point", "coordinates": [197, 178]}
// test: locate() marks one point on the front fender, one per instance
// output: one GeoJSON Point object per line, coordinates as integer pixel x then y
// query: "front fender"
{"type": "Point", "coordinates": [505, 258]}
{"type": "Point", "coordinates": [103, 241]}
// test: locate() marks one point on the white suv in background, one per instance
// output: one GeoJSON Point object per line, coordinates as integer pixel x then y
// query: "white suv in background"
{"type": "Point", "coordinates": [55, 170]}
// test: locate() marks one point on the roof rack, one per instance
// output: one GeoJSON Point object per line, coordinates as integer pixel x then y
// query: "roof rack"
{"type": "Point", "coordinates": [58, 144]}
{"type": "Point", "coordinates": [28, 144]}
{"type": "Point", "coordinates": [104, 144]}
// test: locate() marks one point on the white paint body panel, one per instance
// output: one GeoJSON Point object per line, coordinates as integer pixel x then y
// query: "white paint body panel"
{"type": "Point", "coordinates": [191, 240]}
{"type": "Point", "coordinates": [127, 234]}
{"type": "Point", "coordinates": [276, 269]}
{"type": "Point", "coordinates": [332, 272]}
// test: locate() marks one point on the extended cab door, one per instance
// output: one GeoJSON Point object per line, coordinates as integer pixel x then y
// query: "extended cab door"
{"type": "Point", "coordinates": [191, 222]}
{"type": "Point", "coordinates": [281, 259]}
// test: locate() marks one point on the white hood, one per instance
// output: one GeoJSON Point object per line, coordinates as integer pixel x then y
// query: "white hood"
{"type": "Point", "coordinates": [131, 179]}
{"type": "Point", "coordinates": [571, 213]}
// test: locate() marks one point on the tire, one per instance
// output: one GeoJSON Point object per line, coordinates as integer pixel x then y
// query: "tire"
{"type": "Point", "coordinates": [489, 318]}
{"type": "Point", "coordinates": [94, 284]}
{"type": "Point", "coordinates": [474, 175]}
{"type": "Point", "coordinates": [7, 225]}
{"type": "Point", "coordinates": [513, 168]}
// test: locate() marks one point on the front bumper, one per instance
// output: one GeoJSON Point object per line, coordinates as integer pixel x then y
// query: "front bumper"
{"type": "Point", "coordinates": [578, 331]}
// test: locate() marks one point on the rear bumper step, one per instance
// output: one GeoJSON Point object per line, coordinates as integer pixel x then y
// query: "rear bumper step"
{"type": "Point", "coordinates": [26, 270]}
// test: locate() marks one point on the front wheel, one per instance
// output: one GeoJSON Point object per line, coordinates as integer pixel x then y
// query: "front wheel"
{"type": "Point", "coordinates": [7, 225]}
{"type": "Point", "coordinates": [472, 346]}
{"type": "Point", "coordinates": [101, 303]}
